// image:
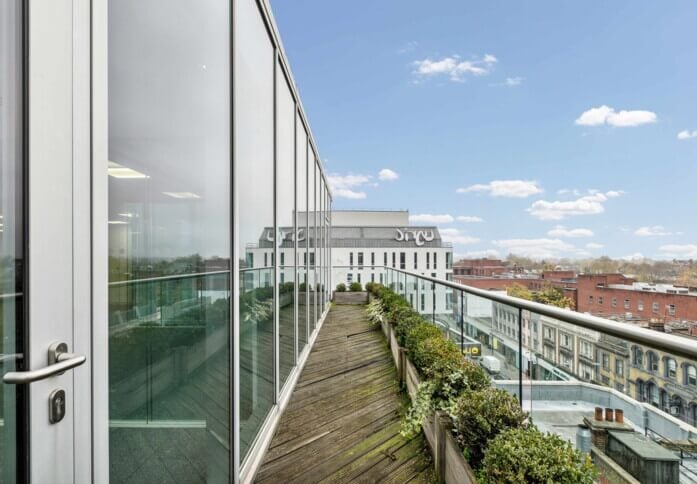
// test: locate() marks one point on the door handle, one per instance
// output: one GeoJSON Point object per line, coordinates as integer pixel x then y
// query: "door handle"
{"type": "Point", "coordinates": [59, 361]}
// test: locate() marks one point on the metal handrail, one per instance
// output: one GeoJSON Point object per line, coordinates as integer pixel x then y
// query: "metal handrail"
{"type": "Point", "coordinates": [166, 278]}
{"type": "Point", "coordinates": [677, 345]}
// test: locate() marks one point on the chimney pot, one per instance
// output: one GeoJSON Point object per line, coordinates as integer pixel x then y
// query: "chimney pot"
{"type": "Point", "coordinates": [599, 414]}
{"type": "Point", "coordinates": [609, 415]}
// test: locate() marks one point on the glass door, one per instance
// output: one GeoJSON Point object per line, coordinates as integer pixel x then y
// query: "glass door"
{"type": "Point", "coordinates": [12, 260]}
{"type": "Point", "coordinates": [45, 297]}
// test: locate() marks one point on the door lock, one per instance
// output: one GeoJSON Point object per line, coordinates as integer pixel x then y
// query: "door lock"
{"type": "Point", "coordinates": [56, 406]}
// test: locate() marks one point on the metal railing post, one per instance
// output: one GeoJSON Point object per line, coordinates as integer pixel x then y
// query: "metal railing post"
{"type": "Point", "coordinates": [520, 356]}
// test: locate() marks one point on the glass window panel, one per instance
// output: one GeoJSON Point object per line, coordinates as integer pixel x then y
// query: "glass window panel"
{"type": "Point", "coordinates": [312, 239]}
{"type": "Point", "coordinates": [302, 234]}
{"type": "Point", "coordinates": [11, 232]}
{"type": "Point", "coordinates": [254, 160]}
{"type": "Point", "coordinates": [169, 239]}
{"type": "Point", "coordinates": [285, 186]}
{"type": "Point", "coordinates": [323, 242]}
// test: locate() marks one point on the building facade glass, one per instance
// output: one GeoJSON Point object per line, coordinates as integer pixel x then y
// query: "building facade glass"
{"type": "Point", "coordinates": [302, 230]}
{"type": "Point", "coordinates": [217, 239]}
{"type": "Point", "coordinates": [285, 218]}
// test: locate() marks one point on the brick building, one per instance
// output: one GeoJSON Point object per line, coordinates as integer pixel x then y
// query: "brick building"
{"type": "Point", "coordinates": [616, 295]}
{"type": "Point", "coordinates": [564, 280]}
{"type": "Point", "coordinates": [610, 295]}
{"type": "Point", "coordinates": [479, 267]}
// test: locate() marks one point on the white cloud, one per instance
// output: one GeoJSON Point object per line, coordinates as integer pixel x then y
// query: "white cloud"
{"type": "Point", "coordinates": [408, 47]}
{"type": "Point", "coordinates": [635, 257]}
{"type": "Point", "coordinates": [454, 68]}
{"type": "Point", "coordinates": [688, 251]}
{"type": "Point", "coordinates": [348, 193]}
{"type": "Point", "coordinates": [512, 81]}
{"type": "Point", "coordinates": [478, 254]}
{"type": "Point", "coordinates": [561, 231]}
{"type": "Point", "coordinates": [539, 248]}
{"type": "Point", "coordinates": [622, 119]}
{"type": "Point", "coordinates": [590, 204]}
{"type": "Point", "coordinates": [593, 245]}
{"type": "Point", "coordinates": [387, 175]}
{"type": "Point", "coordinates": [683, 135]}
{"type": "Point", "coordinates": [569, 191]}
{"type": "Point", "coordinates": [505, 188]}
{"type": "Point", "coordinates": [652, 231]}
{"type": "Point", "coordinates": [469, 219]}
{"type": "Point", "coordinates": [347, 186]}
{"type": "Point", "coordinates": [427, 218]}
{"type": "Point", "coordinates": [455, 236]}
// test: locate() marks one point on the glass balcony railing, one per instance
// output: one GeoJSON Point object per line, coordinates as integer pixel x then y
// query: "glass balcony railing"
{"type": "Point", "coordinates": [562, 364]}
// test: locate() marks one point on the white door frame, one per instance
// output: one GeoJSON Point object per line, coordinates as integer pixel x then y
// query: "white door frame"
{"type": "Point", "coordinates": [100, 239]}
{"type": "Point", "coordinates": [59, 270]}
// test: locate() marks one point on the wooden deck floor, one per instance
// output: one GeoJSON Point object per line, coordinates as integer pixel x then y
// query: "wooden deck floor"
{"type": "Point", "coordinates": [342, 422]}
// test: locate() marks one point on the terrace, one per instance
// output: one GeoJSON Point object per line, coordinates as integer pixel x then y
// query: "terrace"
{"type": "Point", "coordinates": [347, 387]}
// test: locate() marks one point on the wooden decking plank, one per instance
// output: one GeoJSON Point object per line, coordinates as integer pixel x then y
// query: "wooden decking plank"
{"type": "Point", "coordinates": [342, 423]}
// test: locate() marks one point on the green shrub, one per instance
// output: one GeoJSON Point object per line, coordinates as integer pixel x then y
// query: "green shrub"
{"type": "Point", "coordinates": [396, 313]}
{"type": "Point", "coordinates": [369, 286]}
{"type": "Point", "coordinates": [341, 287]}
{"type": "Point", "coordinates": [286, 287]}
{"type": "Point", "coordinates": [418, 333]}
{"type": "Point", "coordinates": [435, 356]}
{"type": "Point", "coordinates": [481, 415]}
{"type": "Point", "coordinates": [355, 287]}
{"type": "Point", "coordinates": [526, 455]}
{"type": "Point", "coordinates": [405, 325]}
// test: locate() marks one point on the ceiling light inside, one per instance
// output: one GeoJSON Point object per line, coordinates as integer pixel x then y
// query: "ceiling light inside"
{"type": "Point", "coordinates": [181, 195]}
{"type": "Point", "coordinates": [120, 171]}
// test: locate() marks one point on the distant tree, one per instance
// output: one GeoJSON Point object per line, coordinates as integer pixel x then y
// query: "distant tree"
{"type": "Point", "coordinates": [603, 265]}
{"type": "Point", "coordinates": [548, 295]}
{"type": "Point", "coordinates": [520, 291]}
{"type": "Point", "coordinates": [554, 297]}
{"type": "Point", "coordinates": [688, 278]}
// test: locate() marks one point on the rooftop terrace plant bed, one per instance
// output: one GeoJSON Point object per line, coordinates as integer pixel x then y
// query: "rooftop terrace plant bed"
{"type": "Point", "coordinates": [461, 414]}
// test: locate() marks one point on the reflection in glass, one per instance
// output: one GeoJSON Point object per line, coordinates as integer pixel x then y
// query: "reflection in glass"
{"type": "Point", "coordinates": [254, 103]}
{"type": "Point", "coordinates": [169, 241]}
{"type": "Point", "coordinates": [286, 234]}
{"type": "Point", "coordinates": [301, 204]}
{"type": "Point", "coordinates": [312, 241]}
{"type": "Point", "coordinates": [446, 311]}
{"type": "Point", "coordinates": [11, 230]}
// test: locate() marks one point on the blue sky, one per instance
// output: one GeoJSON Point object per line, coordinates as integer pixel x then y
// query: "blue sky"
{"type": "Point", "coordinates": [554, 122]}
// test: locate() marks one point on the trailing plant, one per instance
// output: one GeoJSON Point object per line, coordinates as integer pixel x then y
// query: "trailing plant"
{"type": "Point", "coordinates": [341, 287]}
{"type": "Point", "coordinates": [480, 415]}
{"type": "Point", "coordinates": [376, 313]}
{"type": "Point", "coordinates": [421, 407]}
{"type": "Point", "coordinates": [526, 455]}
{"type": "Point", "coordinates": [355, 287]}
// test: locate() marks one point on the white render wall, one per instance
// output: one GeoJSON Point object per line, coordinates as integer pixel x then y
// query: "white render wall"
{"type": "Point", "coordinates": [341, 257]}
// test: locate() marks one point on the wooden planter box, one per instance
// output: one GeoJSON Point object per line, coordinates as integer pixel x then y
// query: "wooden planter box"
{"type": "Point", "coordinates": [450, 464]}
{"type": "Point", "coordinates": [349, 297]}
